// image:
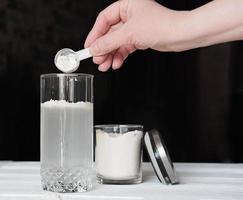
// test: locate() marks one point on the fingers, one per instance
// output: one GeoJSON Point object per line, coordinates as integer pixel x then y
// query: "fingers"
{"type": "Point", "coordinates": [99, 59]}
{"type": "Point", "coordinates": [120, 55]}
{"type": "Point", "coordinates": [118, 60]}
{"type": "Point", "coordinates": [108, 35]}
{"type": "Point", "coordinates": [114, 59]}
{"type": "Point", "coordinates": [106, 64]}
{"type": "Point", "coordinates": [108, 17]}
{"type": "Point", "coordinates": [115, 27]}
{"type": "Point", "coordinates": [110, 42]}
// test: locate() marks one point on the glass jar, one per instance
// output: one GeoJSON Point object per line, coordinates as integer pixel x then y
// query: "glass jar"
{"type": "Point", "coordinates": [118, 154]}
{"type": "Point", "coordinates": [66, 132]}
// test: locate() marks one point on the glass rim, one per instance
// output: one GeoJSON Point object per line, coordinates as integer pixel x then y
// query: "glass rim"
{"type": "Point", "coordinates": [119, 126]}
{"type": "Point", "coordinates": [66, 75]}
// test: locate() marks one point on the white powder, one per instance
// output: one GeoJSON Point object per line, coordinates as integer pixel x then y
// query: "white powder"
{"type": "Point", "coordinates": [118, 156]}
{"type": "Point", "coordinates": [67, 62]}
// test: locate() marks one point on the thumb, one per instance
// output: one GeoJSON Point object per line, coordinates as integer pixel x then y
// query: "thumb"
{"type": "Point", "coordinates": [109, 42]}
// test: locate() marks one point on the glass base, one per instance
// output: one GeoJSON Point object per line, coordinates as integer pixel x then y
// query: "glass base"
{"type": "Point", "coordinates": [102, 180]}
{"type": "Point", "coordinates": [66, 180]}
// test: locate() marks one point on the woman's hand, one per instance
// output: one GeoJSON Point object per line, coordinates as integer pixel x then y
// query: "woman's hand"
{"type": "Point", "coordinates": [127, 25]}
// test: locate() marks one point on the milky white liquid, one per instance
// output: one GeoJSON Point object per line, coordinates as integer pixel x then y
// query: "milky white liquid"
{"type": "Point", "coordinates": [66, 140]}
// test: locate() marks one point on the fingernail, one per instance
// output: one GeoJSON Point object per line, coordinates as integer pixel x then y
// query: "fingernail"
{"type": "Point", "coordinates": [114, 67]}
{"type": "Point", "coordinates": [102, 68]}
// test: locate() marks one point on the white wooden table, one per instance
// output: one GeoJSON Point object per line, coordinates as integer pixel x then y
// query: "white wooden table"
{"type": "Point", "coordinates": [21, 180]}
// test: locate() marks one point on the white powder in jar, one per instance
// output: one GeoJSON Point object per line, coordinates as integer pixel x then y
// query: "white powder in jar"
{"type": "Point", "coordinates": [118, 156]}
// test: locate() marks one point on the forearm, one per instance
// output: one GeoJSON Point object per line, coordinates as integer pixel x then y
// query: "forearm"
{"type": "Point", "coordinates": [216, 22]}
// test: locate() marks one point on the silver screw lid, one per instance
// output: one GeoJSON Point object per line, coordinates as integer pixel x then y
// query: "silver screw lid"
{"type": "Point", "coordinates": [160, 158]}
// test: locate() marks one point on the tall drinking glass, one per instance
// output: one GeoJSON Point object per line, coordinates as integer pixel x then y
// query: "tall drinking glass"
{"type": "Point", "coordinates": [66, 132]}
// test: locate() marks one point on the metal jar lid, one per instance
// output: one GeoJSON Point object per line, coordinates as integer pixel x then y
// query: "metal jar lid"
{"type": "Point", "coordinates": [160, 158]}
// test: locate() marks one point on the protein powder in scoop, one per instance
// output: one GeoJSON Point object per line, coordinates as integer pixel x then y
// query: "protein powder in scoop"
{"type": "Point", "coordinates": [68, 60]}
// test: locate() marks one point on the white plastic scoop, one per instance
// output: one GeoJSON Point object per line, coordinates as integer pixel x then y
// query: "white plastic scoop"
{"type": "Point", "coordinates": [68, 60]}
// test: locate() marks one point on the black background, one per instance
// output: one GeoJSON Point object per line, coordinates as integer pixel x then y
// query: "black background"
{"type": "Point", "coordinates": [194, 98]}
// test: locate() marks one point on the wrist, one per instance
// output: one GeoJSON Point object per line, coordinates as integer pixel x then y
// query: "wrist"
{"type": "Point", "coordinates": [216, 22]}
{"type": "Point", "coordinates": [173, 32]}
{"type": "Point", "coordinates": [182, 36]}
